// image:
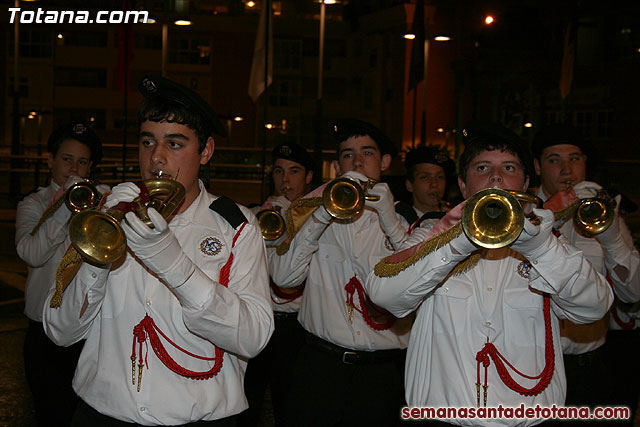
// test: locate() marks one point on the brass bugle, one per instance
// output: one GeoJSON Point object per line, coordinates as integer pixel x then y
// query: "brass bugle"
{"type": "Point", "coordinates": [344, 198]}
{"type": "Point", "coordinates": [271, 224]}
{"type": "Point", "coordinates": [82, 195]}
{"type": "Point", "coordinates": [594, 214]}
{"type": "Point", "coordinates": [442, 204]}
{"type": "Point", "coordinates": [98, 236]}
{"type": "Point", "coordinates": [493, 218]}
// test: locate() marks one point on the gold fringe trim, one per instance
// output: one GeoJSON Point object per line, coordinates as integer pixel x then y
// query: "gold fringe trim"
{"type": "Point", "coordinates": [47, 213]}
{"type": "Point", "coordinates": [465, 265]}
{"type": "Point", "coordinates": [295, 216]}
{"type": "Point", "coordinates": [67, 270]}
{"type": "Point", "coordinates": [384, 268]}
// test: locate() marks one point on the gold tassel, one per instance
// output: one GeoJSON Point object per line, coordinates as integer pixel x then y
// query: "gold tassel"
{"type": "Point", "coordinates": [298, 213]}
{"type": "Point", "coordinates": [384, 268]}
{"type": "Point", "coordinates": [69, 266]}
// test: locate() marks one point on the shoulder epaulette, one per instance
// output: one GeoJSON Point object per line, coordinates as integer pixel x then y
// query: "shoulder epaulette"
{"type": "Point", "coordinates": [407, 212]}
{"type": "Point", "coordinates": [228, 209]}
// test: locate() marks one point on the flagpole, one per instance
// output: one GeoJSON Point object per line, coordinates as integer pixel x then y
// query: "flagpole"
{"type": "Point", "coordinates": [265, 98]}
{"type": "Point", "coordinates": [319, 113]}
{"type": "Point", "coordinates": [423, 133]}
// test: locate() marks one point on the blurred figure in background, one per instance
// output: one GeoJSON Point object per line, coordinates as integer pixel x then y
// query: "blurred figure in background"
{"type": "Point", "coordinates": [429, 173]}
{"type": "Point", "coordinates": [293, 171]}
{"type": "Point", "coordinates": [41, 241]}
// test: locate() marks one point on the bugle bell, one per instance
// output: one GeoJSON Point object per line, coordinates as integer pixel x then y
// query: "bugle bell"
{"type": "Point", "coordinates": [82, 195]}
{"type": "Point", "coordinates": [98, 236]}
{"type": "Point", "coordinates": [493, 218]}
{"type": "Point", "coordinates": [343, 198]}
{"type": "Point", "coordinates": [594, 214]}
{"type": "Point", "coordinates": [271, 224]}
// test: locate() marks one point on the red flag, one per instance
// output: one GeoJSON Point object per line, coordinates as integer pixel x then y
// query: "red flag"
{"type": "Point", "coordinates": [568, 59]}
{"type": "Point", "coordinates": [125, 50]}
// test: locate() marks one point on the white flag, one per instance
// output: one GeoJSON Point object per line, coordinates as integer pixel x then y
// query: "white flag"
{"type": "Point", "coordinates": [256, 81]}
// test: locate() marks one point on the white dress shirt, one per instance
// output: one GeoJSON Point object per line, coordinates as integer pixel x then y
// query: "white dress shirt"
{"type": "Point", "coordinates": [238, 319]}
{"type": "Point", "coordinates": [491, 301]}
{"type": "Point", "coordinates": [624, 254]}
{"type": "Point", "coordinates": [283, 305]}
{"type": "Point", "coordinates": [43, 251]}
{"type": "Point", "coordinates": [341, 252]}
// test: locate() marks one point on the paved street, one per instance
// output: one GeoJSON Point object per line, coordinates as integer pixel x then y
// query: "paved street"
{"type": "Point", "coordinates": [16, 409]}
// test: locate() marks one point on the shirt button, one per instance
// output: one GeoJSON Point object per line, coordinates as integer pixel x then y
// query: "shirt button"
{"type": "Point", "coordinates": [443, 259]}
{"type": "Point", "coordinates": [93, 275]}
{"type": "Point", "coordinates": [487, 323]}
{"type": "Point", "coordinates": [143, 409]}
{"type": "Point", "coordinates": [446, 290]}
{"type": "Point", "coordinates": [148, 302]}
{"type": "Point", "coordinates": [355, 256]}
{"type": "Point", "coordinates": [535, 262]}
{"type": "Point", "coordinates": [357, 332]}
{"type": "Point", "coordinates": [489, 289]}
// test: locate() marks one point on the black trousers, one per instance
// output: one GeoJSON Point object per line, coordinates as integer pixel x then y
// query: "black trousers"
{"type": "Point", "coordinates": [326, 391]}
{"type": "Point", "coordinates": [621, 353]}
{"type": "Point", "coordinates": [273, 367]}
{"type": "Point", "coordinates": [588, 384]}
{"type": "Point", "coordinates": [49, 370]}
{"type": "Point", "coordinates": [86, 416]}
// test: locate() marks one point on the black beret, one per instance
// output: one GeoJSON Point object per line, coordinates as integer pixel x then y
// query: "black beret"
{"type": "Point", "coordinates": [558, 134]}
{"type": "Point", "coordinates": [154, 87]}
{"type": "Point", "coordinates": [430, 155]}
{"type": "Point", "coordinates": [346, 128]}
{"type": "Point", "coordinates": [486, 133]}
{"type": "Point", "coordinates": [81, 132]}
{"type": "Point", "coordinates": [295, 153]}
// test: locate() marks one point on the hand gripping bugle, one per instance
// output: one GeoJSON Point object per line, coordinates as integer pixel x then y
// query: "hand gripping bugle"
{"type": "Point", "coordinates": [271, 224]}
{"type": "Point", "coordinates": [593, 215]}
{"type": "Point", "coordinates": [97, 235]}
{"type": "Point", "coordinates": [343, 198]}
{"type": "Point", "coordinates": [79, 197]}
{"type": "Point", "coordinates": [493, 218]}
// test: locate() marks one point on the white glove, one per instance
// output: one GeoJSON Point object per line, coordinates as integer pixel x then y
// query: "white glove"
{"type": "Point", "coordinates": [535, 239]}
{"type": "Point", "coordinates": [321, 215]}
{"type": "Point", "coordinates": [71, 181]}
{"type": "Point", "coordinates": [389, 221]}
{"type": "Point", "coordinates": [103, 188]}
{"type": "Point", "coordinates": [586, 189]}
{"type": "Point", "coordinates": [277, 203]}
{"type": "Point", "coordinates": [462, 245]}
{"type": "Point", "coordinates": [158, 248]}
{"type": "Point", "coordinates": [124, 192]}
{"type": "Point", "coordinates": [356, 176]}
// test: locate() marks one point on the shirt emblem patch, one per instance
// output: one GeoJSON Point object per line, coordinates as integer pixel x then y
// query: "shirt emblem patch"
{"type": "Point", "coordinates": [211, 246]}
{"type": "Point", "coordinates": [387, 244]}
{"type": "Point", "coordinates": [523, 269]}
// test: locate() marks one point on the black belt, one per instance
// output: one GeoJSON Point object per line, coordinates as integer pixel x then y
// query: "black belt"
{"type": "Point", "coordinates": [280, 315]}
{"type": "Point", "coordinates": [355, 357]}
{"type": "Point", "coordinates": [589, 358]}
